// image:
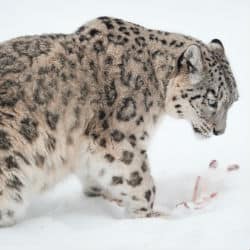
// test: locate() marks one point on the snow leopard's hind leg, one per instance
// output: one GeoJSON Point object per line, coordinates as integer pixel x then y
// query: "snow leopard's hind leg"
{"type": "Point", "coordinates": [14, 167]}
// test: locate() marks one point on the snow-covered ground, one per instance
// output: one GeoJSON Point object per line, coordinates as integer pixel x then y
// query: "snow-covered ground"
{"type": "Point", "coordinates": [64, 219]}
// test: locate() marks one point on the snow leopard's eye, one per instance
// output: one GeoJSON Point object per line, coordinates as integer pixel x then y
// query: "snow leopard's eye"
{"type": "Point", "coordinates": [211, 98]}
{"type": "Point", "coordinates": [212, 103]}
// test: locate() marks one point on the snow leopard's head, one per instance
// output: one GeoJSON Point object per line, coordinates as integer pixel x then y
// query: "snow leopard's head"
{"type": "Point", "coordinates": [203, 88]}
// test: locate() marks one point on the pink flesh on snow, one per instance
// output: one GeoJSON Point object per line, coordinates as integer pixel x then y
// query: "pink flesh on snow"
{"type": "Point", "coordinates": [199, 199]}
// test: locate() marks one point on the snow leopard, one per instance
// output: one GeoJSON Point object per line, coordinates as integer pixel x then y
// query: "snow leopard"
{"type": "Point", "coordinates": [87, 103]}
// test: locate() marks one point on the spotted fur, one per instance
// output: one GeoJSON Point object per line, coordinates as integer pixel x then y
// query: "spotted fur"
{"type": "Point", "coordinates": [87, 103]}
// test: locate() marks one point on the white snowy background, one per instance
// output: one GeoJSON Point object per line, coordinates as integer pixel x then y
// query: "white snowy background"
{"type": "Point", "coordinates": [64, 219]}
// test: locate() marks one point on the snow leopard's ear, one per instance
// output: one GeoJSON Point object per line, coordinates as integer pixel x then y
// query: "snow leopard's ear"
{"type": "Point", "coordinates": [192, 58]}
{"type": "Point", "coordinates": [217, 46]}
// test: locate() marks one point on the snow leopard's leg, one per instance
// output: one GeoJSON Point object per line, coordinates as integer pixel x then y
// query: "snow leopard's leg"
{"type": "Point", "coordinates": [138, 190]}
{"type": "Point", "coordinates": [125, 179]}
{"type": "Point", "coordinates": [14, 187]}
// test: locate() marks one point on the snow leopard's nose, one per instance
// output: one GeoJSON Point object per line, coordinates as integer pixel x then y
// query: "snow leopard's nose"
{"type": "Point", "coordinates": [218, 132]}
